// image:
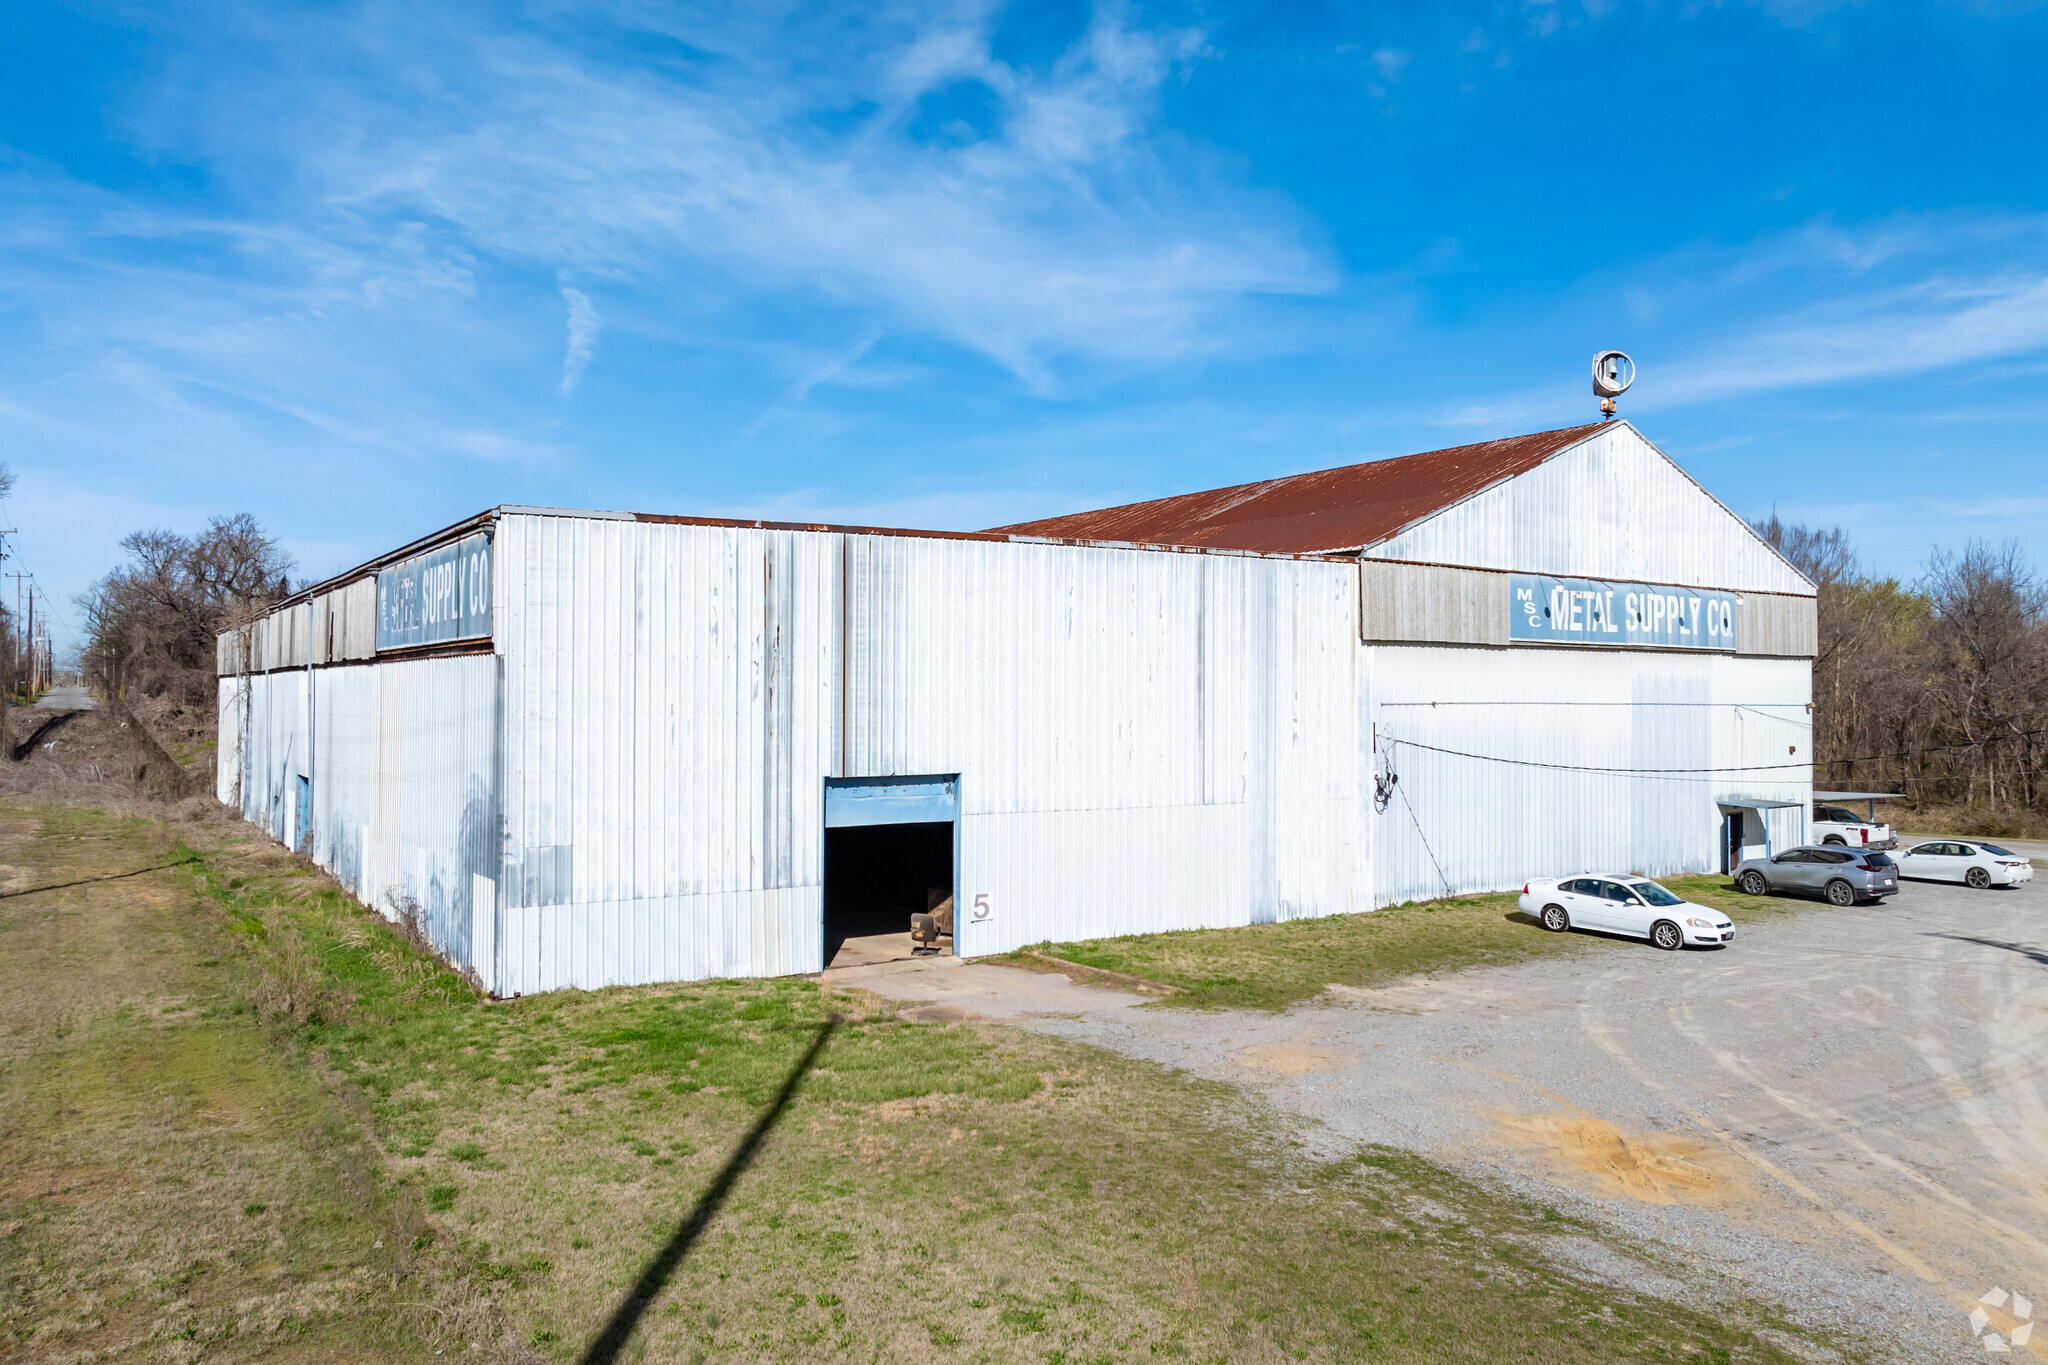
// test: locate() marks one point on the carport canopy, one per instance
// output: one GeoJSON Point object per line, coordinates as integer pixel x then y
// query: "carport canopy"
{"type": "Point", "coordinates": [1872, 797]}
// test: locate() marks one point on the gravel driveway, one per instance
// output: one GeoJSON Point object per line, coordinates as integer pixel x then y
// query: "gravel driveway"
{"type": "Point", "coordinates": [1845, 1111]}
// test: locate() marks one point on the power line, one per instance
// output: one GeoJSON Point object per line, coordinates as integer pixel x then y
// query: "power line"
{"type": "Point", "coordinates": [1752, 768]}
{"type": "Point", "coordinates": [1633, 705]}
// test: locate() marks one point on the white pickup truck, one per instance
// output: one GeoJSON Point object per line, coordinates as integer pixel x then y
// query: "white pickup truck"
{"type": "Point", "coordinates": [1840, 825]}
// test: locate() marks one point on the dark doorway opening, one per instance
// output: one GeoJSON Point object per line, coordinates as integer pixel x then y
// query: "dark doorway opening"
{"type": "Point", "coordinates": [1731, 840]}
{"type": "Point", "coordinates": [876, 878]}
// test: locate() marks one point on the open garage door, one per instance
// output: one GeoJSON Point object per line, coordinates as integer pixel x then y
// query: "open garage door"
{"type": "Point", "coordinates": [890, 848]}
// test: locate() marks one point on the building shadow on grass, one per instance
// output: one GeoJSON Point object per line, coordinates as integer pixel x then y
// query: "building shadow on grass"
{"type": "Point", "coordinates": [88, 881]}
{"type": "Point", "coordinates": [2025, 950]}
{"type": "Point", "coordinates": [655, 1276]}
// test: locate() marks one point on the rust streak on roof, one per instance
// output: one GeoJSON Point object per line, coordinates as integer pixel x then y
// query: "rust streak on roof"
{"type": "Point", "coordinates": [1330, 509]}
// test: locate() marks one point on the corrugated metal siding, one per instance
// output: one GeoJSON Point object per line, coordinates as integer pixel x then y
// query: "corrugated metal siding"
{"type": "Point", "coordinates": [227, 772]}
{"type": "Point", "coordinates": [1611, 507]}
{"type": "Point", "coordinates": [1766, 623]}
{"type": "Point", "coordinates": [1432, 603]}
{"type": "Point", "coordinates": [1459, 824]}
{"type": "Point", "coordinates": [404, 767]}
{"type": "Point", "coordinates": [1788, 827]}
{"type": "Point", "coordinates": [336, 626]}
{"type": "Point", "coordinates": [669, 697]}
{"type": "Point", "coordinates": [1144, 740]}
{"type": "Point", "coordinates": [284, 636]}
{"type": "Point", "coordinates": [345, 623]}
{"type": "Point", "coordinates": [273, 750]}
{"type": "Point", "coordinates": [355, 608]}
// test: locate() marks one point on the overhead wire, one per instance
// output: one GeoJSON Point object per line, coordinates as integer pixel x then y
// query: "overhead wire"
{"type": "Point", "coordinates": [1747, 768]}
{"type": "Point", "coordinates": [46, 607]}
{"type": "Point", "coordinates": [1632, 705]}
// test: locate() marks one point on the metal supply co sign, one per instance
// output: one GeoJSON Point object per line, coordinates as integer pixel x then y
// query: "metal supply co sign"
{"type": "Point", "coordinates": [444, 594]}
{"type": "Point", "coordinates": [1586, 611]}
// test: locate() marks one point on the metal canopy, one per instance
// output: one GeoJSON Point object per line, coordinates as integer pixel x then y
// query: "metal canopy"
{"type": "Point", "coordinates": [1855, 796]}
{"type": "Point", "coordinates": [1760, 805]}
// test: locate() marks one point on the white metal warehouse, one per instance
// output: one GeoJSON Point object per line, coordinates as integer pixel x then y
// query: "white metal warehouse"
{"type": "Point", "coordinates": [598, 748]}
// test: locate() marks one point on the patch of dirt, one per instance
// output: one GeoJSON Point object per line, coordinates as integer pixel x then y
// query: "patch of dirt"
{"type": "Point", "coordinates": [937, 1014]}
{"type": "Point", "coordinates": [1292, 1059]}
{"type": "Point", "coordinates": [1651, 1168]}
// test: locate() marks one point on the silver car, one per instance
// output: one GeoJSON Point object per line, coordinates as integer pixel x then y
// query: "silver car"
{"type": "Point", "coordinates": [1845, 876]}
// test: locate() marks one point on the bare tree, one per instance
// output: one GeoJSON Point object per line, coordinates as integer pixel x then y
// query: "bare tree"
{"type": "Point", "coordinates": [151, 623]}
{"type": "Point", "coordinates": [1938, 688]}
{"type": "Point", "coordinates": [1826, 557]}
{"type": "Point", "coordinates": [1988, 670]}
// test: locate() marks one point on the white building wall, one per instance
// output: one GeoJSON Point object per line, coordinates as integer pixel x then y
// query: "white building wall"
{"type": "Point", "coordinates": [403, 762]}
{"type": "Point", "coordinates": [1457, 824]}
{"type": "Point", "coordinates": [631, 788]}
{"type": "Point", "coordinates": [669, 698]}
{"type": "Point", "coordinates": [1144, 740]}
{"type": "Point", "coordinates": [272, 715]}
{"type": "Point", "coordinates": [1612, 507]}
{"type": "Point", "coordinates": [233, 708]}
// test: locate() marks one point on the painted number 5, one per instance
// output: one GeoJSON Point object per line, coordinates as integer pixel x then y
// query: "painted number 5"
{"type": "Point", "coordinates": [983, 908]}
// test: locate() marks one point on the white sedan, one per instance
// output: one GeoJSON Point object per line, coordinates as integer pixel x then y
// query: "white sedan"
{"type": "Point", "coordinates": [1635, 906]}
{"type": "Point", "coordinates": [1971, 862]}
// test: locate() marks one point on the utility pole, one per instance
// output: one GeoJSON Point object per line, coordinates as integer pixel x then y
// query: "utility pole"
{"type": "Point", "coordinates": [31, 640]}
{"type": "Point", "coordinates": [13, 663]}
{"type": "Point", "coordinates": [18, 645]}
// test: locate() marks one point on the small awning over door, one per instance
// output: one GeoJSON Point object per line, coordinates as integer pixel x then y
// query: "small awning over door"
{"type": "Point", "coordinates": [1784, 822]}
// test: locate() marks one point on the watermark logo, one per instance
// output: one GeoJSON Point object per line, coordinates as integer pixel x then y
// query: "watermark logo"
{"type": "Point", "coordinates": [2012, 1304]}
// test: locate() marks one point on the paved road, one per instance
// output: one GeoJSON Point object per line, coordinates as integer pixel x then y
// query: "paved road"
{"type": "Point", "coordinates": [1846, 1112]}
{"type": "Point", "coordinates": [66, 699]}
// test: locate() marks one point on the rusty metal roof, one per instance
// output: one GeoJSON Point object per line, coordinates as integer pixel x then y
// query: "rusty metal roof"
{"type": "Point", "coordinates": [1330, 509]}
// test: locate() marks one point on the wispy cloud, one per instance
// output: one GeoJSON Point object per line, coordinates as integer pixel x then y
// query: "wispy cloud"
{"type": "Point", "coordinates": [1063, 233]}
{"type": "Point", "coordinates": [1818, 307]}
{"type": "Point", "coordinates": [826, 370]}
{"type": "Point", "coordinates": [1935, 326]}
{"type": "Point", "coordinates": [583, 324]}
{"type": "Point", "coordinates": [414, 219]}
{"type": "Point", "coordinates": [308, 255]}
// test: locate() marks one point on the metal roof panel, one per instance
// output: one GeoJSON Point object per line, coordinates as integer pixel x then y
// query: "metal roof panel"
{"type": "Point", "coordinates": [1328, 509]}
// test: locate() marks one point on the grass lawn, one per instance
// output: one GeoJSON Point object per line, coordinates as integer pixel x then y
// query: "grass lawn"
{"type": "Point", "coordinates": [171, 1185]}
{"type": "Point", "coordinates": [932, 1191]}
{"type": "Point", "coordinates": [1272, 966]}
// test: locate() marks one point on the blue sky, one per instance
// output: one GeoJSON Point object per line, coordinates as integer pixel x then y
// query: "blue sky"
{"type": "Point", "coordinates": [364, 269]}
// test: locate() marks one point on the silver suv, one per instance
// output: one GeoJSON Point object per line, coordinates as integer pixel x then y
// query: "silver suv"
{"type": "Point", "coordinates": [1844, 876]}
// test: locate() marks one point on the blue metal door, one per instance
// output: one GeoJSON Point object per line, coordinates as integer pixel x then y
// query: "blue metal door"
{"type": "Point", "coordinates": [304, 824]}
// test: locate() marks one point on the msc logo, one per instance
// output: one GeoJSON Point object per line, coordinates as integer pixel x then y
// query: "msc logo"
{"type": "Point", "coordinates": [1980, 1321]}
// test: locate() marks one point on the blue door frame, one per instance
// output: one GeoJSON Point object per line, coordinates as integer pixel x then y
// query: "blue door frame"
{"type": "Point", "coordinates": [921, 800]}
